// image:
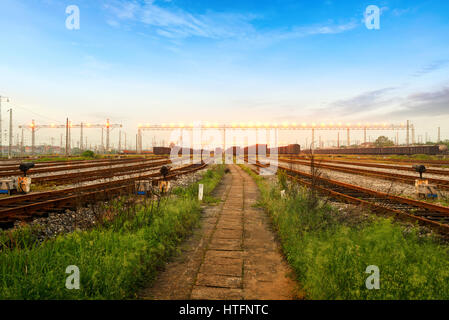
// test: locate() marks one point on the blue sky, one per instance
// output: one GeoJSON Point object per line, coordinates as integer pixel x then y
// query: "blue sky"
{"type": "Point", "coordinates": [223, 61]}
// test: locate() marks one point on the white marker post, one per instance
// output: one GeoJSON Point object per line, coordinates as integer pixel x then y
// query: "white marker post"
{"type": "Point", "coordinates": [200, 192]}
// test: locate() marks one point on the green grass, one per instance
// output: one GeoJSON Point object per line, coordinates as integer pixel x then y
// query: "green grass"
{"type": "Point", "coordinates": [330, 254]}
{"type": "Point", "coordinates": [114, 259]}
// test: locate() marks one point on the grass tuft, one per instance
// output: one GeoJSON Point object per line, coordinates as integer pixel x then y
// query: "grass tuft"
{"type": "Point", "coordinates": [330, 256]}
{"type": "Point", "coordinates": [116, 258]}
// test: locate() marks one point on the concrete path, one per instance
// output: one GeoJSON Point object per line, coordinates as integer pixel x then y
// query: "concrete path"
{"type": "Point", "coordinates": [234, 255]}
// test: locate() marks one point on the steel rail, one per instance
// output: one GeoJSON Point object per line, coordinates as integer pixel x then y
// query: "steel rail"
{"type": "Point", "coordinates": [440, 183]}
{"type": "Point", "coordinates": [372, 165]}
{"type": "Point", "coordinates": [24, 207]}
{"type": "Point", "coordinates": [68, 167]}
{"type": "Point", "coordinates": [371, 159]}
{"type": "Point", "coordinates": [96, 174]}
{"type": "Point", "coordinates": [423, 212]}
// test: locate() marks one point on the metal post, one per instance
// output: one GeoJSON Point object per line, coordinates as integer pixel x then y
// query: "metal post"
{"type": "Point", "coordinates": [413, 134]}
{"type": "Point", "coordinates": [33, 136]}
{"type": "Point", "coordinates": [439, 136]}
{"type": "Point", "coordinates": [1, 132]}
{"type": "Point", "coordinates": [10, 134]}
{"type": "Point", "coordinates": [338, 139]}
{"type": "Point", "coordinates": [119, 140]}
{"type": "Point", "coordinates": [408, 133]}
{"type": "Point", "coordinates": [364, 135]}
{"type": "Point", "coordinates": [349, 138]}
{"type": "Point", "coordinates": [81, 138]}
{"type": "Point", "coordinates": [107, 135]}
{"type": "Point", "coordinates": [67, 137]}
{"type": "Point", "coordinates": [139, 141]}
{"type": "Point", "coordinates": [125, 140]}
{"type": "Point", "coordinates": [22, 150]}
{"type": "Point", "coordinates": [312, 145]}
{"type": "Point", "coordinates": [102, 141]}
{"type": "Point", "coordinates": [70, 138]}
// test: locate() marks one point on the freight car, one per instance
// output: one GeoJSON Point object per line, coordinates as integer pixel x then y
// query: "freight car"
{"type": "Point", "coordinates": [161, 151]}
{"type": "Point", "coordinates": [431, 150]}
{"type": "Point", "coordinates": [290, 149]}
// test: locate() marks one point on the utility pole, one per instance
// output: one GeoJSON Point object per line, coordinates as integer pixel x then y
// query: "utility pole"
{"type": "Point", "coordinates": [119, 141]}
{"type": "Point", "coordinates": [102, 143]}
{"type": "Point", "coordinates": [81, 138]}
{"type": "Point", "coordinates": [67, 137]}
{"type": "Point", "coordinates": [33, 136]}
{"type": "Point", "coordinates": [10, 134]}
{"type": "Point", "coordinates": [70, 137]}
{"type": "Point", "coordinates": [1, 133]}
{"type": "Point", "coordinates": [413, 134]}
{"type": "Point", "coordinates": [349, 138]}
{"type": "Point", "coordinates": [313, 139]}
{"type": "Point", "coordinates": [22, 150]}
{"type": "Point", "coordinates": [439, 135]}
{"type": "Point", "coordinates": [338, 139]}
{"type": "Point", "coordinates": [408, 133]}
{"type": "Point", "coordinates": [125, 140]}
{"type": "Point", "coordinates": [107, 135]}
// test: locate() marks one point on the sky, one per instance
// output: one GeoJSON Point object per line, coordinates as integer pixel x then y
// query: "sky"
{"type": "Point", "coordinates": [161, 61]}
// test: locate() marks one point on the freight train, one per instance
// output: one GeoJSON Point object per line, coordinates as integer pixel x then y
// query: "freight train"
{"type": "Point", "coordinates": [263, 149]}
{"type": "Point", "coordinates": [430, 150]}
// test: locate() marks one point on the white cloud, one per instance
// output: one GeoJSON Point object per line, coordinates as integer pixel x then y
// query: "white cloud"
{"type": "Point", "coordinates": [173, 22]}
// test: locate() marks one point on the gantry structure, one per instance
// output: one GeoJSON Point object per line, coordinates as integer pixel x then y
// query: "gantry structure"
{"type": "Point", "coordinates": [68, 126]}
{"type": "Point", "coordinates": [365, 127]}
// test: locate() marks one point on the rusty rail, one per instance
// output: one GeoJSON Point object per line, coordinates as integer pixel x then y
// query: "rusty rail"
{"type": "Point", "coordinates": [434, 216]}
{"type": "Point", "coordinates": [24, 207]}
{"type": "Point", "coordinates": [14, 170]}
{"type": "Point", "coordinates": [440, 183]}
{"type": "Point", "coordinates": [373, 165]}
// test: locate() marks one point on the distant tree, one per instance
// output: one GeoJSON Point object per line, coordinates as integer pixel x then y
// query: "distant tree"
{"type": "Point", "coordinates": [383, 141]}
{"type": "Point", "coordinates": [88, 154]}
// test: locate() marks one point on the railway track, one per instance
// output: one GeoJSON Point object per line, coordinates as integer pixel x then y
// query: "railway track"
{"type": "Point", "coordinates": [374, 165]}
{"type": "Point", "coordinates": [25, 207]}
{"type": "Point", "coordinates": [441, 184]}
{"type": "Point", "coordinates": [54, 167]}
{"type": "Point", "coordinates": [77, 177]}
{"type": "Point", "coordinates": [434, 216]}
{"type": "Point", "coordinates": [360, 158]}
